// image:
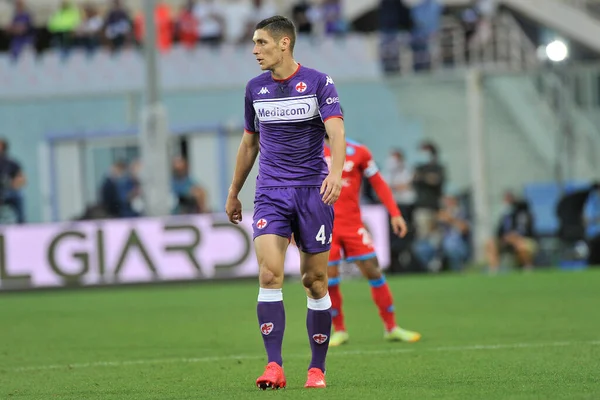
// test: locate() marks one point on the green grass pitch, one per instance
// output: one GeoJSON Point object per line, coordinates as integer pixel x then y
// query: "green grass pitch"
{"type": "Point", "coordinates": [517, 336]}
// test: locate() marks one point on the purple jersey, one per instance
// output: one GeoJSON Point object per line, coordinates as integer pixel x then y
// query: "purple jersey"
{"type": "Point", "coordinates": [289, 116]}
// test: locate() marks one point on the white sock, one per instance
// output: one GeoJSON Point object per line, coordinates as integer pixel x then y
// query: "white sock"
{"type": "Point", "coordinates": [270, 295]}
{"type": "Point", "coordinates": [321, 304]}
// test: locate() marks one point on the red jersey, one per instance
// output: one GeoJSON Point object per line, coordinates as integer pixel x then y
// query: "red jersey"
{"type": "Point", "coordinates": [359, 163]}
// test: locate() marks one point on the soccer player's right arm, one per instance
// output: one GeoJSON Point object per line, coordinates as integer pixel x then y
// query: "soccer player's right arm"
{"type": "Point", "coordinates": [246, 157]}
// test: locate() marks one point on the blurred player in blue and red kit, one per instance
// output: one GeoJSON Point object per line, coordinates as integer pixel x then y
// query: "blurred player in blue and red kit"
{"type": "Point", "coordinates": [288, 111]}
{"type": "Point", "coordinates": [352, 242]}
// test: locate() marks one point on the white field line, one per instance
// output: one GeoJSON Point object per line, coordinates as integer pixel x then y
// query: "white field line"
{"type": "Point", "coordinates": [332, 353]}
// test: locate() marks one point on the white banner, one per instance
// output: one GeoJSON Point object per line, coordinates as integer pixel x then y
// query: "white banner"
{"type": "Point", "coordinates": [143, 250]}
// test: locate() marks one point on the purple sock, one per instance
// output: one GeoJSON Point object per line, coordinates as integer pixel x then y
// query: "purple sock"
{"type": "Point", "coordinates": [271, 320]}
{"type": "Point", "coordinates": [318, 325]}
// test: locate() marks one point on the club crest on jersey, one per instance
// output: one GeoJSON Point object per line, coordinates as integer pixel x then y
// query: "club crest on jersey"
{"type": "Point", "coordinates": [261, 223]}
{"type": "Point", "coordinates": [320, 338]}
{"type": "Point", "coordinates": [301, 87]}
{"type": "Point", "coordinates": [266, 328]}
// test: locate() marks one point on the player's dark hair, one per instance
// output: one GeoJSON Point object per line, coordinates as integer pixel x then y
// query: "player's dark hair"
{"type": "Point", "coordinates": [279, 27]}
{"type": "Point", "coordinates": [431, 147]}
{"type": "Point", "coordinates": [3, 145]}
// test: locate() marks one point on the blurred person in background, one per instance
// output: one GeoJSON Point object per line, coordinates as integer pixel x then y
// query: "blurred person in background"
{"type": "Point", "coordinates": [453, 245]}
{"type": "Point", "coordinates": [400, 178]}
{"type": "Point", "coordinates": [112, 190]}
{"type": "Point", "coordinates": [455, 228]}
{"type": "Point", "coordinates": [163, 24]}
{"type": "Point", "coordinates": [394, 20]}
{"type": "Point", "coordinates": [578, 213]}
{"type": "Point", "coordinates": [186, 26]}
{"type": "Point", "coordinates": [12, 180]}
{"type": "Point", "coordinates": [20, 30]}
{"type": "Point", "coordinates": [130, 191]}
{"type": "Point", "coordinates": [190, 196]}
{"type": "Point", "coordinates": [259, 10]}
{"type": "Point", "coordinates": [485, 11]}
{"type": "Point", "coordinates": [301, 17]}
{"type": "Point", "coordinates": [428, 181]}
{"type": "Point", "coordinates": [592, 218]}
{"type": "Point", "coordinates": [333, 17]}
{"type": "Point", "coordinates": [476, 21]}
{"type": "Point", "coordinates": [62, 25]}
{"type": "Point", "coordinates": [211, 17]}
{"type": "Point", "coordinates": [118, 27]}
{"type": "Point", "coordinates": [426, 15]}
{"type": "Point", "coordinates": [88, 33]}
{"type": "Point", "coordinates": [514, 235]}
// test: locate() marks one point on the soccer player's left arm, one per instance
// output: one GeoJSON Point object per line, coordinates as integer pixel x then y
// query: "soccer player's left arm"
{"type": "Point", "coordinates": [331, 113]}
{"type": "Point", "coordinates": [371, 172]}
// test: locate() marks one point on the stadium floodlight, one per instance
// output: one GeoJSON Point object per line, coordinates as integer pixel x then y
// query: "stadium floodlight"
{"type": "Point", "coordinates": [557, 51]}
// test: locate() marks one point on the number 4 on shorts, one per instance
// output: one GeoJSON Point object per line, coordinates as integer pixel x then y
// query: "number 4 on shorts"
{"type": "Point", "coordinates": [321, 235]}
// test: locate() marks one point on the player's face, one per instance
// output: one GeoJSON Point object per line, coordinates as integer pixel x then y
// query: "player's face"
{"type": "Point", "coordinates": [268, 51]}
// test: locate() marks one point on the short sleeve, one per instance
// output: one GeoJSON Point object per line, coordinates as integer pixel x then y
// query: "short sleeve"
{"type": "Point", "coordinates": [328, 98]}
{"type": "Point", "coordinates": [368, 165]}
{"type": "Point", "coordinates": [249, 112]}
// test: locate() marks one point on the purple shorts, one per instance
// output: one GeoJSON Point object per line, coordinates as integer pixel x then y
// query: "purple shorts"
{"type": "Point", "coordinates": [298, 210]}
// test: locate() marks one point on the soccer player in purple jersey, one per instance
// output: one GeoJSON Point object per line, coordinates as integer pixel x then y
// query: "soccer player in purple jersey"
{"type": "Point", "coordinates": [288, 111]}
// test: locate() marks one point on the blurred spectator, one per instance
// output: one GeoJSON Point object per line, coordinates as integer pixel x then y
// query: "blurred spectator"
{"type": "Point", "coordinates": [130, 193]}
{"type": "Point", "coordinates": [12, 180]}
{"type": "Point", "coordinates": [237, 15]}
{"type": "Point", "coordinates": [212, 21]}
{"type": "Point", "coordinates": [579, 224]}
{"type": "Point", "coordinates": [118, 27]}
{"type": "Point", "coordinates": [190, 196]}
{"type": "Point", "coordinates": [301, 17]}
{"type": "Point", "coordinates": [394, 18]}
{"type": "Point", "coordinates": [164, 26]}
{"type": "Point", "coordinates": [112, 188]}
{"type": "Point", "coordinates": [514, 234]}
{"type": "Point", "coordinates": [186, 26]}
{"type": "Point", "coordinates": [570, 211]}
{"type": "Point", "coordinates": [260, 10]}
{"type": "Point", "coordinates": [477, 21]}
{"type": "Point", "coordinates": [455, 229]}
{"type": "Point", "coordinates": [62, 25]}
{"type": "Point", "coordinates": [425, 16]}
{"type": "Point", "coordinates": [400, 177]}
{"type": "Point", "coordinates": [87, 34]}
{"type": "Point", "coordinates": [428, 181]}
{"type": "Point", "coordinates": [592, 218]}
{"type": "Point", "coordinates": [453, 245]}
{"type": "Point", "coordinates": [20, 30]}
{"type": "Point", "coordinates": [332, 15]}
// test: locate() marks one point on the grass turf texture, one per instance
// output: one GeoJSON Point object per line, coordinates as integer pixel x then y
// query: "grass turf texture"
{"type": "Point", "coordinates": [517, 336]}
